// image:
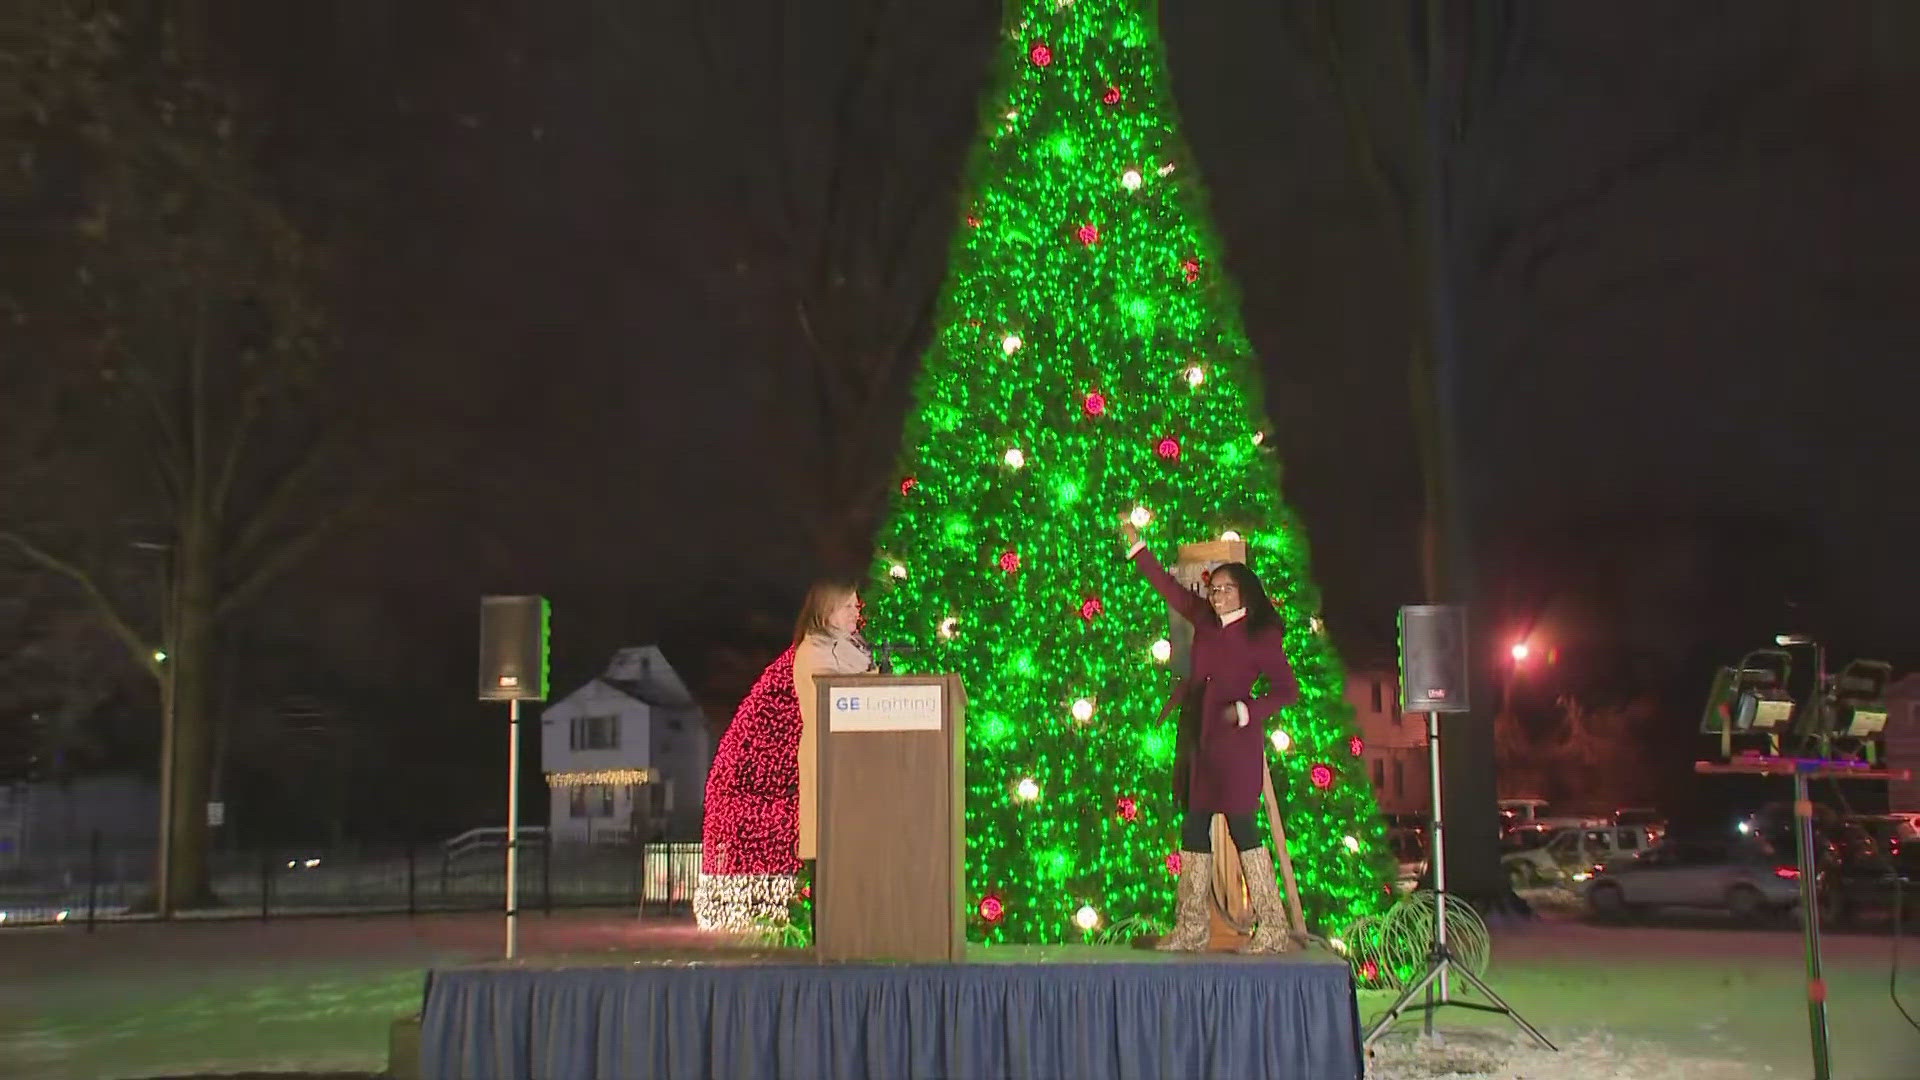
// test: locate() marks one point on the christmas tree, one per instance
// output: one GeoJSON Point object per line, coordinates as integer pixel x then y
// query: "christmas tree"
{"type": "Point", "coordinates": [1089, 363]}
{"type": "Point", "coordinates": [748, 867]}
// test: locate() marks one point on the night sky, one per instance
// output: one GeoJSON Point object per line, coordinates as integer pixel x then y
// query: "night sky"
{"type": "Point", "coordinates": [1684, 398]}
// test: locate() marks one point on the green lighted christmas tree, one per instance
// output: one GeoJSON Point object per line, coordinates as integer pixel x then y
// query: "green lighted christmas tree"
{"type": "Point", "coordinates": [1089, 363]}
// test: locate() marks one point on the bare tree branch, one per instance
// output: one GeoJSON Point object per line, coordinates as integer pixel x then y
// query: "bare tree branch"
{"type": "Point", "coordinates": [141, 650]}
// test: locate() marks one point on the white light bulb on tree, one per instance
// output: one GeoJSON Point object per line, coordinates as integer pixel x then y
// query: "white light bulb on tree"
{"type": "Point", "coordinates": [1352, 843]}
{"type": "Point", "coordinates": [1230, 536]}
{"type": "Point", "coordinates": [1015, 459]}
{"type": "Point", "coordinates": [1167, 169]}
{"type": "Point", "coordinates": [1140, 515]}
{"type": "Point", "coordinates": [897, 571]}
{"type": "Point", "coordinates": [1195, 376]}
{"type": "Point", "coordinates": [1281, 740]}
{"type": "Point", "coordinates": [1010, 344]}
{"type": "Point", "coordinates": [1083, 709]}
{"type": "Point", "coordinates": [1163, 650]}
{"type": "Point", "coordinates": [1131, 180]}
{"type": "Point", "coordinates": [1086, 918]}
{"type": "Point", "coordinates": [1027, 789]}
{"type": "Point", "coordinates": [949, 626]}
{"type": "Point", "coordinates": [1259, 437]}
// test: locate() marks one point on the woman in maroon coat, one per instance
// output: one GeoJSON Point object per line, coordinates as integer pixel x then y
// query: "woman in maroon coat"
{"type": "Point", "coordinates": [1221, 749]}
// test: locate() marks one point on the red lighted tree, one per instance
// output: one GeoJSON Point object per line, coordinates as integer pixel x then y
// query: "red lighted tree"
{"type": "Point", "coordinates": [747, 860]}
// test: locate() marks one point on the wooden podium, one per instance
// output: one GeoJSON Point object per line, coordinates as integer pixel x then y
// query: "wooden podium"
{"type": "Point", "coordinates": [889, 878]}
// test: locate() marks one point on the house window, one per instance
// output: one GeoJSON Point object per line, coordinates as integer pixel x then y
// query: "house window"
{"type": "Point", "coordinates": [1376, 695]}
{"type": "Point", "coordinates": [596, 733]}
{"type": "Point", "coordinates": [1399, 777]}
{"type": "Point", "coordinates": [1379, 774]}
{"type": "Point", "coordinates": [591, 801]}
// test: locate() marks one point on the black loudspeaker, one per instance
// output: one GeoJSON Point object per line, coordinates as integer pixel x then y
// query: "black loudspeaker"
{"type": "Point", "coordinates": [1433, 658]}
{"type": "Point", "coordinates": [513, 648]}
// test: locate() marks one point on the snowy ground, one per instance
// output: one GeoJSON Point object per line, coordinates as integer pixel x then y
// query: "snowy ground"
{"type": "Point", "coordinates": [1695, 1000]}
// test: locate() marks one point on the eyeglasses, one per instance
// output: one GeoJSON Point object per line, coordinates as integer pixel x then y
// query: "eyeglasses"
{"type": "Point", "coordinates": [1218, 590]}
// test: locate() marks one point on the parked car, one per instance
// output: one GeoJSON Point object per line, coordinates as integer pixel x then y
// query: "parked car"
{"type": "Point", "coordinates": [1644, 817]}
{"type": "Point", "coordinates": [1748, 878]}
{"type": "Point", "coordinates": [1572, 851]}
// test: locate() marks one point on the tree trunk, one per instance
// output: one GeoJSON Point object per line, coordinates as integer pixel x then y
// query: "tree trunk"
{"type": "Point", "coordinates": [192, 662]}
{"type": "Point", "coordinates": [1467, 747]}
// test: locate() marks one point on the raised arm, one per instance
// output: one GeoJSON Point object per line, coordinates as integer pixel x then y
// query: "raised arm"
{"type": "Point", "coordinates": [1186, 603]}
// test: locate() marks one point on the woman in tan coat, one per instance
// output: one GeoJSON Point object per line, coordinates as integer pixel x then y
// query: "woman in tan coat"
{"type": "Point", "coordinates": [825, 643]}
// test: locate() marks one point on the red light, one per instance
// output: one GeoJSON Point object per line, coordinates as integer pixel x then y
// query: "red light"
{"type": "Point", "coordinates": [1356, 746]}
{"type": "Point", "coordinates": [907, 484]}
{"type": "Point", "coordinates": [1192, 268]}
{"type": "Point", "coordinates": [1096, 403]}
{"type": "Point", "coordinates": [1089, 234]}
{"type": "Point", "coordinates": [1321, 776]}
{"type": "Point", "coordinates": [1009, 561]}
{"type": "Point", "coordinates": [1173, 862]}
{"type": "Point", "coordinates": [1041, 55]}
{"type": "Point", "coordinates": [1127, 807]}
{"type": "Point", "coordinates": [1091, 607]}
{"type": "Point", "coordinates": [1791, 873]}
{"type": "Point", "coordinates": [1168, 448]}
{"type": "Point", "coordinates": [1112, 96]}
{"type": "Point", "coordinates": [991, 909]}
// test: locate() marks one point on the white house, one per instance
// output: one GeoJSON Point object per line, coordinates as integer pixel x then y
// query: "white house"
{"type": "Point", "coordinates": [627, 753]}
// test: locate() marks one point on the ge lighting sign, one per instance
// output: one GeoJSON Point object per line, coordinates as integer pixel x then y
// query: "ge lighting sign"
{"type": "Point", "coordinates": [884, 708]}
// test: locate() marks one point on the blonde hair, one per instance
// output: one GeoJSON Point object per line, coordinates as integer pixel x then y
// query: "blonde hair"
{"type": "Point", "coordinates": [822, 598]}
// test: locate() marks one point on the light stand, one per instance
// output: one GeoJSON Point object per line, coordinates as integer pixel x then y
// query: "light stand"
{"type": "Point", "coordinates": [1440, 961]}
{"type": "Point", "coordinates": [513, 825]}
{"type": "Point", "coordinates": [1802, 771]}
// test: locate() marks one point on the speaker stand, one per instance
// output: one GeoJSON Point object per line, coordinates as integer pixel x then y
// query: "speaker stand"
{"type": "Point", "coordinates": [1434, 982]}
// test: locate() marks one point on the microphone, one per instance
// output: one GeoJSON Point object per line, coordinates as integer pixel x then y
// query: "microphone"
{"type": "Point", "coordinates": [883, 655]}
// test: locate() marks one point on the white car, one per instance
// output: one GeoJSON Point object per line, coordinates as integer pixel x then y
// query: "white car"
{"type": "Point", "coordinates": [1746, 878]}
{"type": "Point", "coordinates": [1569, 854]}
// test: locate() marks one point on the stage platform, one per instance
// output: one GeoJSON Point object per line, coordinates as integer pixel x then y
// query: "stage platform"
{"type": "Point", "coordinates": [1010, 1011]}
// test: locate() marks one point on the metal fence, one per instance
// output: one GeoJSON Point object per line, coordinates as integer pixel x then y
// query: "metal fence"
{"type": "Point", "coordinates": [286, 880]}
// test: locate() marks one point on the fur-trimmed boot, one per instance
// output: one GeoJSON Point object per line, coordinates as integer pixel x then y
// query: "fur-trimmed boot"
{"type": "Point", "coordinates": [1191, 928]}
{"type": "Point", "coordinates": [1272, 935]}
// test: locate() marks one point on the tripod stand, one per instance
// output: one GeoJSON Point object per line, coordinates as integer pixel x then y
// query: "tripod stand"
{"type": "Point", "coordinates": [1440, 960]}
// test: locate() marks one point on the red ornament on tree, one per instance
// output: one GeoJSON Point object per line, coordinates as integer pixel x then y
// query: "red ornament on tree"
{"type": "Point", "coordinates": [991, 909]}
{"type": "Point", "coordinates": [1321, 775]}
{"type": "Point", "coordinates": [1192, 267]}
{"type": "Point", "coordinates": [1127, 807]}
{"type": "Point", "coordinates": [1355, 745]}
{"type": "Point", "coordinates": [1096, 403]}
{"type": "Point", "coordinates": [1089, 234]}
{"type": "Point", "coordinates": [1112, 95]}
{"type": "Point", "coordinates": [1090, 607]}
{"type": "Point", "coordinates": [1173, 863]}
{"type": "Point", "coordinates": [1168, 448]}
{"type": "Point", "coordinates": [1009, 561]}
{"type": "Point", "coordinates": [1040, 54]}
{"type": "Point", "coordinates": [907, 484]}
{"type": "Point", "coordinates": [973, 221]}
{"type": "Point", "coordinates": [1369, 971]}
